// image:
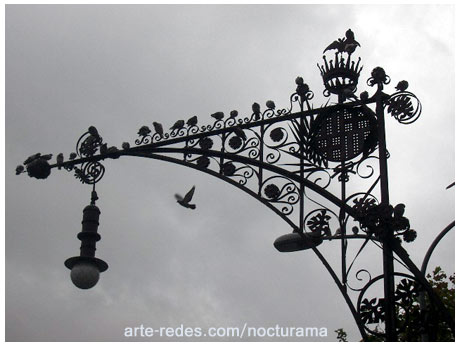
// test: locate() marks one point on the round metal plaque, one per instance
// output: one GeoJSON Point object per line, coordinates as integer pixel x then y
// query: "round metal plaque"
{"type": "Point", "coordinates": [340, 135]}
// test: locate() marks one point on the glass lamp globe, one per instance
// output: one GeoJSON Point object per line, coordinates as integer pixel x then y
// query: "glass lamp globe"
{"type": "Point", "coordinates": [84, 275]}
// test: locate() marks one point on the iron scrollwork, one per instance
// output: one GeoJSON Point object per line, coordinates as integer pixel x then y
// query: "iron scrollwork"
{"type": "Point", "coordinates": [310, 147]}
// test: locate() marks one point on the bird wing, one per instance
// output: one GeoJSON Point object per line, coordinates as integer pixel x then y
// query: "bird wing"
{"type": "Point", "coordinates": [189, 195]}
{"type": "Point", "coordinates": [178, 197]}
{"type": "Point", "coordinates": [333, 46]}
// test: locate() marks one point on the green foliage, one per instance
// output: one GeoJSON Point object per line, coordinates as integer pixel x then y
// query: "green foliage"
{"type": "Point", "coordinates": [341, 335]}
{"type": "Point", "coordinates": [444, 287]}
{"type": "Point", "coordinates": [413, 323]}
{"type": "Point", "coordinates": [417, 324]}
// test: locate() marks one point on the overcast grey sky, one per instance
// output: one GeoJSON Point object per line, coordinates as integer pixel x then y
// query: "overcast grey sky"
{"type": "Point", "coordinates": [120, 67]}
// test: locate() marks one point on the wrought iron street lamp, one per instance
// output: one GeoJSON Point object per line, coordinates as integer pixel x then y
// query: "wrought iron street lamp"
{"type": "Point", "coordinates": [85, 269]}
{"type": "Point", "coordinates": [286, 158]}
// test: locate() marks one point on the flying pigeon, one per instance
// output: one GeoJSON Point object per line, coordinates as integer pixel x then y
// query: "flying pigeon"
{"type": "Point", "coordinates": [158, 128]}
{"type": "Point", "coordinates": [218, 115]}
{"type": "Point", "coordinates": [192, 121]}
{"type": "Point", "coordinates": [402, 85]}
{"type": "Point", "coordinates": [185, 201]}
{"type": "Point", "coordinates": [178, 125]}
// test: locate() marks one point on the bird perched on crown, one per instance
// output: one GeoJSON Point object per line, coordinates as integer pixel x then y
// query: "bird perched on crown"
{"type": "Point", "coordinates": [347, 44]}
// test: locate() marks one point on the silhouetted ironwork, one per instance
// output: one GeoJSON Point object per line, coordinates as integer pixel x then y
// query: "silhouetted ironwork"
{"type": "Point", "coordinates": [289, 159]}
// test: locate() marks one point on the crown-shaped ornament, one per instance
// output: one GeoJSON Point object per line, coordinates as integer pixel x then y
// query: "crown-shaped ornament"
{"type": "Point", "coordinates": [342, 73]}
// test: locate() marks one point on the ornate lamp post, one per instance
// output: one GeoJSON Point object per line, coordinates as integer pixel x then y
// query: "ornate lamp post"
{"type": "Point", "coordinates": [85, 268]}
{"type": "Point", "coordinates": [286, 158]}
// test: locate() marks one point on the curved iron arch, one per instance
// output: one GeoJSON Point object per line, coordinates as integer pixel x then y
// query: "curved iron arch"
{"type": "Point", "coordinates": [321, 257]}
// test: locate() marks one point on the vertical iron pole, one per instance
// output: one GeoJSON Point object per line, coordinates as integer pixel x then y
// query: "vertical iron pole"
{"type": "Point", "coordinates": [388, 266]}
{"type": "Point", "coordinates": [342, 178]}
{"type": "Point", "coordinates": [302, 186]}
{"type": "Point", "coordinates": [261, 155]}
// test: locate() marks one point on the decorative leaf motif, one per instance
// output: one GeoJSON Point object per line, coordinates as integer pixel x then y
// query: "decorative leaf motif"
{"type": "Point", "coordinates": [206, 143]}
{"type": "Point", "coordinates": [90, 145]}
{"type": "Point", "coordinates": [272, 191]}
{"type": "Point", "coordinates": [228, 169]}
{"type": "Point", "coordinates": [80, 175]}
{"type": "Point", "coordinates": [374, 219]}
{"type": "Point", "coordinates": [406, 292]}
{"type": "Point", "coordinates": [203, 162]}
{"type": "Point", "coordinates": [400, 106]}
{"type": "Point", "coordinates": [372, 311]}
{"type": "Point", "coordinates": [319, 224]}
{"type": "Point", "coordinates": [409, 236]}
{"type": "Point", "coordinates": [39, 168]}
{"type": "Point", "coordinates": [277, 134]}
{"type": "Point", "coordinates": [235, 142]}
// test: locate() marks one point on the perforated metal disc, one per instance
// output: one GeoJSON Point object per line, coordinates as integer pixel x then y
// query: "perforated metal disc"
{"type": "Point", "coordinates": [341, 135]}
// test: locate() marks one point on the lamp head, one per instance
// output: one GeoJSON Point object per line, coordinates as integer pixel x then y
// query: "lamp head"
{"type": "Point", "coordinates": [295, 241]}
{"type": "Point", "coordinates": [85, 271]}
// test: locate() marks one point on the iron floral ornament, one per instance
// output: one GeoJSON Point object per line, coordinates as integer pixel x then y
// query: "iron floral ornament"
{"type": "Point", "coordinates": [291, 160]}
